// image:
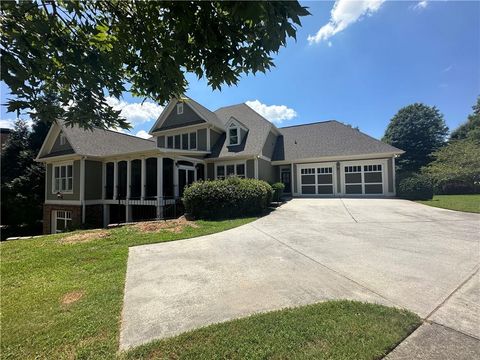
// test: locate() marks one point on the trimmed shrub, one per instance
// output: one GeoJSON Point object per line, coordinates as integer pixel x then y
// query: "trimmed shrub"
{"type": "Point", "coordinates": [230, 198]}
{"type": "Point", "coordinates": [278, 188]}
{"type": "Point", "coordinates": [415, 187]}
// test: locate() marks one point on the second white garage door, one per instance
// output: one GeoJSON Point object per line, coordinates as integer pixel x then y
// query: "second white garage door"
{"type": "Point", "coordinates": [363, 178]}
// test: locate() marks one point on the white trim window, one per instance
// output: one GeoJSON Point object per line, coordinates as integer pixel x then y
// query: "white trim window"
{"type": "Point", "coordinates": [63, 221]}
{"type": "Point", "coordinates": [63, 178]}
{"type": "Point", "coordinates": [223, 171]}
{"type": "Point", "coordinates": [233, 135]}
{"type": "Point", "coordinates": [183, 141]}
{"type": "Point", "coordinates": [179, 108]}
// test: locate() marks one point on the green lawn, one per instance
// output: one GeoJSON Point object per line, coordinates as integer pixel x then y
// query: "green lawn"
{"type": "Point", "coordinates": [468, 203]}
{"type": "Point", "coordinates": [63, 300]}
{"type": "Point", "coordinates": [36, 274]}
{"type": "Point", "coordinates": [329, 330]}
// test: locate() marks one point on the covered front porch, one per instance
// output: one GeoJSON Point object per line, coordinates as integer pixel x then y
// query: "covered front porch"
{"type": "Point", "coordinates": [154, 182]}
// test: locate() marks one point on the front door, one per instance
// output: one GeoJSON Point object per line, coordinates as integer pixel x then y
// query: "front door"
{"type": "Point", "coordinates": [285, 179]}
{"type": "Point", "coordinates": [186, 176]}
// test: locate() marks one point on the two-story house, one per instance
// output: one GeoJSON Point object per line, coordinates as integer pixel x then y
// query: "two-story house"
{"type": "Point", "coordinates": [98, 177]}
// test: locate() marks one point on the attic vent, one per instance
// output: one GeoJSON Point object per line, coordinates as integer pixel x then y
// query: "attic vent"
{"type": "Point", "coordinates": [179, 108]}
{"type": "Point", "coordinates": [63, 139]}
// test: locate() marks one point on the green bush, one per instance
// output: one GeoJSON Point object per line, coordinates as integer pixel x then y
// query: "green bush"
{"type": "Point", "coordinates": [228, 198]}
{"type": "Point", "coordinates": [278, 188]}
{"type": "Point", "coordinates": [415, 187]}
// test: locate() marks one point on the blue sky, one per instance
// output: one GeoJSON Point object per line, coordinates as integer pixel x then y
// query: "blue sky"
{"type": "Point", "coordinates": [370, 59]}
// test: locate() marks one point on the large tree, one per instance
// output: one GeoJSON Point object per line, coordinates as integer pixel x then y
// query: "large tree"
{"type": "Point", "coordinates": [61, 59]}
{"type": "Point", "coordinates": [22, 186]}
{"type": "Point", "coordinates": [419, 130]}
{"type": "Point", "coordinates": [471, 128]}
{"type": "Point", "coordinates": [458, 162]}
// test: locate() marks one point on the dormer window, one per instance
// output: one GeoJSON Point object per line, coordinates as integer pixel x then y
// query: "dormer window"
{"type": "Point", "coordinates": [236, 132]}
{"type": "Point", "coordinates": [233, 136]}
{"type": "Point", "coordinates": [179, 108]}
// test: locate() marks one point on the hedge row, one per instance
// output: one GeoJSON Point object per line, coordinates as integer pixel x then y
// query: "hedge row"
{"type": "Point", "coordinates": [233, 197]}
{"type": "Point", "coordinates": [415, 187]}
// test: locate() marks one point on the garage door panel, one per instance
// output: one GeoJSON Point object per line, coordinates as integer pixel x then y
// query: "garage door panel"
{"type": "Point", "coordinates": [308, 179]}
{"type": "Point", "coordinates": [325, 179]}
{"type": "Point", "coordinates": [353, 178]}
{"type": "Point", "coordinates": [308, 190]}
{"type": "Point", "coordinates": [373, 189]}
{"type": "Point", "coordinates": [353, 189]}
{"type": "Point", "coordinates": [373, 177]}
{"type": "Point", "coordinates": [325, 190]}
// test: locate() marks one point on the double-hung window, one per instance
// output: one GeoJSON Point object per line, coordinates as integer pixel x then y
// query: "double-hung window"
{"type": "Point", "coordinates": [63, 178]}
{"type": "Point", "coordinates": [233, 138]}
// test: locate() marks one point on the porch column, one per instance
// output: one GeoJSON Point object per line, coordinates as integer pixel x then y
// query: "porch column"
{"type": "Point", "coordinates": [144, 178]}
{"type": "Point", "coordinates": [115, 180]}
{"type": "Point", "coordinates": [159, 187]}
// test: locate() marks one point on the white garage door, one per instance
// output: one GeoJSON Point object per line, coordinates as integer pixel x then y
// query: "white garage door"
{"type": "Point", "coordinates": [317, 179]}
{"type": "Point", "coordinates": [363, 179]}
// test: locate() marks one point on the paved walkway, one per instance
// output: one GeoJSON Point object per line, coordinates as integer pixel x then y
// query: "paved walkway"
{"type": "Point", "coordinates": [387, 251]}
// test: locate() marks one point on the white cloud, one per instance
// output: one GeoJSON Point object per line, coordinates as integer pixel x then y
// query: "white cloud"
{"type": "Point", "coordinates": [343, 14]}
{"type": "Point", "coordinates": [136, 113]}
{"type": "Point", "coordinates": [420, 5]}
{"type": "Point", "coordinates": [273, 113]}
{"type": "Point", "coordinates": [9, 123]}
{"type": "Point", "coordinates": [143, 134]}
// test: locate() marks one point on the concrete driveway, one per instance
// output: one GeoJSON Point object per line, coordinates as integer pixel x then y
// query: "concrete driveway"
{"type": "Point", "coordinates": [387, 251]}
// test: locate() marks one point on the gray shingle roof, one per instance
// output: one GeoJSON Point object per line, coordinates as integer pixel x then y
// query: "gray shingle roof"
{"type": "Point", "coordinates": [328, 138]}
{"type": "Point", "coordinates": [99, 142]}
{"type": "Point", "coordinates": [208, 115]}
{"type": "Point", "coordinates": [252, 144]}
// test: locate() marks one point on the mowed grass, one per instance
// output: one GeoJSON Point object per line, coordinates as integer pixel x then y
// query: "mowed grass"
{"type": "Point", "coordinates": [467, 203]}
{"type": "Point", "coordinates": [63, 301]}
{"type": "Point", "coordinates": [329, 330]}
